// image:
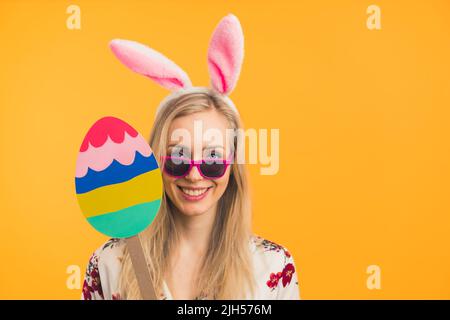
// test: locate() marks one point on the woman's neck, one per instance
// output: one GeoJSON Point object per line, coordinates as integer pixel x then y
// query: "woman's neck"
{"type": "Point", "coordinates": [195, 231]}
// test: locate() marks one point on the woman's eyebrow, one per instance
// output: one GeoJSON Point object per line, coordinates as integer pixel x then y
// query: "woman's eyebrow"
{"type": "Point", "coordinates": [213, 146]}
{"type": "Point", "coordinates": [174, 144]}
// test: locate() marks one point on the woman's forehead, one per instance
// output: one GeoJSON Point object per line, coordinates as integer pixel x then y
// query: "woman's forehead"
{"type": "Point", "coordinates": [206, 129]}
{"type": "Point", "coordinates": [205, 120]}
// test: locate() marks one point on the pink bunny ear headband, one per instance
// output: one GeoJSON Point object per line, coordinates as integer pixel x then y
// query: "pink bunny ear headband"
{"type": "Point", "coordinates": [225, 55]}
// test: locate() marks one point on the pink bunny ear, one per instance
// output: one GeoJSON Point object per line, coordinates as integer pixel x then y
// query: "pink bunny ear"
{"type": "Point", "coordinates": [150, 63]}
{"type": "Point", "coordinates": [225, 54]}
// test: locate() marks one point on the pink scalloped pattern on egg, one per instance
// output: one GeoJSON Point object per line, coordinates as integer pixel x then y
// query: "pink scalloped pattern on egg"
{"type": "Point", "coordinates": [106, 127]}
{"type": "Point", "coordinates": [101, 158]}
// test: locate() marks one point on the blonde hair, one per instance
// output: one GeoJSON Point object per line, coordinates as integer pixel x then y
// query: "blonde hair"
{"type": "Point", "coordinates": [226, 272]}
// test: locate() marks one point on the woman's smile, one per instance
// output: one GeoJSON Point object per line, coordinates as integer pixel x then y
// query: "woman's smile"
{"type": "Point", "coordinates": [193, 193]}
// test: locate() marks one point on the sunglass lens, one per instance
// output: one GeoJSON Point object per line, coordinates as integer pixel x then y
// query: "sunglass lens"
{"type": "Point", "coordinates": [176, 167]}
{"type": "Point", "coordinates": [212, 170]}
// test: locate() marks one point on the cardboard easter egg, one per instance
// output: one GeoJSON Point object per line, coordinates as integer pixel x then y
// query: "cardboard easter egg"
{"type": "Point", "coordinates": [118, 182]}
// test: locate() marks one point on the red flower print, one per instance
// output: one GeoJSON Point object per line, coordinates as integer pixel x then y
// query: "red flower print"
{"type": "Point", "coordinates": [274, 279]}
{"type": "Point", "coordinates": [287, 273]}
{"type": "Point", "coordinates": [92, 283]}
{"type": "Point", "coordinates": [116, 296]}
{"type": "Point", "coordinates": [87, 291]}
{"type": "Point", "coordinates": [95, 282]}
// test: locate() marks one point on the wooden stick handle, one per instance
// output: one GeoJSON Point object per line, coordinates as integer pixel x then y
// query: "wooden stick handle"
{"type": "Point", "coordinates": [140, 268]}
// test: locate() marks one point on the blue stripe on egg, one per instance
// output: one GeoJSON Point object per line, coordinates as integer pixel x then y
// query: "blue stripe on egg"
{"type": "Point", "coordinates": [115, 173]}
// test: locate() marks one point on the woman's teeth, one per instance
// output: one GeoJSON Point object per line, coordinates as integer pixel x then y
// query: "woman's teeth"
{"type": "Point", "coordinates": [192, 192]}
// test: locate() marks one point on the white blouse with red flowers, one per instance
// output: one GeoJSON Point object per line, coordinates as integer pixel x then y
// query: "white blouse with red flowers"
{"type": "Point", "coordinates": [274, 272]}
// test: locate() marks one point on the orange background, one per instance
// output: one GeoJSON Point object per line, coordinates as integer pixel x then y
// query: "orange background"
{"type": "Point", "coordinates": [363, 118]}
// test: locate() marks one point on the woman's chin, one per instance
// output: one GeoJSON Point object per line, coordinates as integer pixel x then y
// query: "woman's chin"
{"type": "Point", "coordinates": [190, 209]}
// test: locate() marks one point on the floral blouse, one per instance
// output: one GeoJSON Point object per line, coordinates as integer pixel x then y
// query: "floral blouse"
{"type": "Point", "coordinates": [274, 272]}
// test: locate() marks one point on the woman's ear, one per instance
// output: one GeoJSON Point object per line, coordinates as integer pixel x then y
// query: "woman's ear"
{"type": "Point", "coordinates": [225, 54]}
{"type": "Point", "coordinates": [150, 63]}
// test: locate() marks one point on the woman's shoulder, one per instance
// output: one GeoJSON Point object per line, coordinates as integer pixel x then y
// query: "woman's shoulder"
{"type": "Point", "coordinates": [262, 245]}
{"type": "Point", "coordinates": [270, 254]}
{"type": "Point", "coordinates": [103, 270]}
{"type": "Point", "coordinates": [111, 249]}
{"type": "Point", "coordinates": [274, 268]}
{"type": "Point", "coordinates": [108, 257]}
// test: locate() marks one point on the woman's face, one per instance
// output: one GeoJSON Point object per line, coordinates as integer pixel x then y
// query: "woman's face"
{"type": "Point", "coordinates": [194, 194]}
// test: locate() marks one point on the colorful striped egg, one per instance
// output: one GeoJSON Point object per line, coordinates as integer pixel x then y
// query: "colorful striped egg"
{"type": "Point", "coordinates": [118, 181]}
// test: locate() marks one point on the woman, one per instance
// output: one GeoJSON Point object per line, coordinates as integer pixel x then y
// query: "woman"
{"type": "Point", "coordinates": [200, 245]}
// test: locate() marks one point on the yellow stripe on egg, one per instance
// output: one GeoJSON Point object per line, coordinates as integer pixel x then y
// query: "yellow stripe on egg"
{"type": "Point", "coordinates": [146, 187]}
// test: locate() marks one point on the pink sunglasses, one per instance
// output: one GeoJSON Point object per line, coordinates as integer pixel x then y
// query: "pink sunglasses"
{"type": "Point", "coordinates": [209, 168]}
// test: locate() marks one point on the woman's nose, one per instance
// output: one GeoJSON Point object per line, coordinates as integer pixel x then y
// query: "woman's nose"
{"type": "Point", "coordinates": [194, 175]}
